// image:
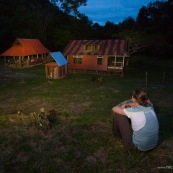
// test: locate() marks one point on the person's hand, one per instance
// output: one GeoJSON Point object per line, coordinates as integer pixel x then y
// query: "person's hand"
{"type": "Point", "coordinates": [127, 106]}
{"type": "Point", "coordinates": [149, 102]}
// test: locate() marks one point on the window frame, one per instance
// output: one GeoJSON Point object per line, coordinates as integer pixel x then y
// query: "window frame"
{"type": "Point", "coordinates": [77, 59]}
{"type": "Point", "coordinates": [99, 60]}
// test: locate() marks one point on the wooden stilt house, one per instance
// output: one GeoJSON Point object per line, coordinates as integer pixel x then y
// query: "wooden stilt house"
{"type": "Point", "coordinates": [25, 53]}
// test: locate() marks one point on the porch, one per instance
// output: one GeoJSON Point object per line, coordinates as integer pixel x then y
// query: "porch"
{"type": "Point", "coordinates": [116, 65]}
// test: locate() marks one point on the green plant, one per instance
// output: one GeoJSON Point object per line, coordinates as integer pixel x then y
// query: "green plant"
{"type": "Point", "coordinates": [100, 80]}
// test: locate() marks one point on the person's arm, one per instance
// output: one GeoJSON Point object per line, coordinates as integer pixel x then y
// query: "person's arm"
{"type": "Point", "coordinates": [119, 109]}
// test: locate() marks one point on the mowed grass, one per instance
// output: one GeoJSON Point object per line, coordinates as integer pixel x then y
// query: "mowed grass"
{"type": "Point", "coordinates": [81, 139]}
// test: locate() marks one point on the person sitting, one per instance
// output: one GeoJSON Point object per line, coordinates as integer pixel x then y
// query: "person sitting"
{"type": "Point", "coordinates": [136, 123]}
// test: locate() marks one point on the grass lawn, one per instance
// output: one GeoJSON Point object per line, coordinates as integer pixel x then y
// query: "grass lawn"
{"type": "Point", "coordinates": [81, 140]}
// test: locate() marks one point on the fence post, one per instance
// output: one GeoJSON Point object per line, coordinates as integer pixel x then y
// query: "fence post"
{"type": "Point", "coordinates": [146, 81]}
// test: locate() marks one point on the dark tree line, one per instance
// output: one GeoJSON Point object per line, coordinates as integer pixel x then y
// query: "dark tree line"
{"type": "Point", "coordinates": [151, 33]}
{"type": "Point", "coordinates": [40, 19]}
{"type": "Point", "coordinates": [157, 21]}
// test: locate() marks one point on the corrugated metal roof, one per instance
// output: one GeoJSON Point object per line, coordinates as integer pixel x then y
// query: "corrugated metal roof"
{"type": "Point", "coordinates": [107, 47]}
{"type": "Point", "coordinates": [25, 47]}
{"type": "Point", "coordinates": [59, 58]}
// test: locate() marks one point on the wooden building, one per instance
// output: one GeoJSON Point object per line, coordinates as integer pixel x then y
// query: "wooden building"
{"type": "Point", "coordinates": [25, 53]}
{"type": "Point", "coordinates": [57, 69]}
{"type": "Point", "coordinates": [97, 55]}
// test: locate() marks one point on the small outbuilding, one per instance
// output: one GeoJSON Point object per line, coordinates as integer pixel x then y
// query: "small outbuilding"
{"type": "Point", "coordinates": [57, 69]}
{"type": "Point", "coordinates": [25, 53]}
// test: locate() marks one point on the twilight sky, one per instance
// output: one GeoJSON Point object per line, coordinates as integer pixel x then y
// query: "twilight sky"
{"type": "Point", "coordinates": [115, 11]}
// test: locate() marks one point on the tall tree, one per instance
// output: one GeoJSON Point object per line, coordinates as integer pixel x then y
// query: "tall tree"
{"type": "Point", "coordinates": [157, 18]}
{"type": "Point", "coordinates": [69, 6]}
{"type": "Point", "coordinates": [110, 30]}
{"type": "Point", "coordinates": [128, 23]}
{"type": "Point", "coordinates": [97, 31]}
{"type": "Point", "coordinates": [138, 41]}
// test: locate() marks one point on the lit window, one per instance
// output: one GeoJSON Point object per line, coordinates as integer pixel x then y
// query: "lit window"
{"type": "Point", "coordinates": [88, 47]}
{"type": "Point", "coordinates": [77, 59]}
{"type": "Point", "coordinates": [92, 47]}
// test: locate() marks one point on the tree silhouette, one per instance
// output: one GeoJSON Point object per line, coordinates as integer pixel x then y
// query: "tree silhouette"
{"type": "Point", "coordinates": [69, 6]}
